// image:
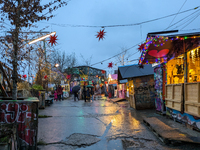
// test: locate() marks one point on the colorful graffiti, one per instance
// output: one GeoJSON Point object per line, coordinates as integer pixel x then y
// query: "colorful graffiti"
{"type": "Point", "coordinates": [184, 118]}
{"type": "Point", "coordinates": [158, 87]}
{"type": "Point", "coordinates": [25, 117]}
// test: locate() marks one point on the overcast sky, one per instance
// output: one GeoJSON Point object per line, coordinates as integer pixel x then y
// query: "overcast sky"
{"type": "Point", "coordinates": [82, 40]}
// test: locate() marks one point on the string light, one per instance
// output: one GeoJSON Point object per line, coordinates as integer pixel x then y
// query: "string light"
{"type": "Point", "coordinates": [162, 40]}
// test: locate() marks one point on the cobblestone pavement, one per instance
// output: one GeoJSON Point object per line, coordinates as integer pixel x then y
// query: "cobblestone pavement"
{"type": "Point", "coordinates": [97, 125]}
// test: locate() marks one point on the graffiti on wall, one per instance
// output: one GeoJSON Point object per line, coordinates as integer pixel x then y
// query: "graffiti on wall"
{"type": "Point", "coordinates": [184, 118]}
{"type": "Point", "coordinates": [158, 87]}
{"type": "Point", "coordinates": [144, 92]}
{"type": "Point", "coordinates": [24, 115]}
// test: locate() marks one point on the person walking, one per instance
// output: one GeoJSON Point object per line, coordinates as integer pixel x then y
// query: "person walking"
{"type": "Point", "coordinates": [62, 93]}
{"type": "Point", "coordinates": [88, 93]}
{"type": "Point", "coordinates": [92, 93]}
{"type": "Point", "coordinates": [59, 91]}
{"type": "Point", "coordinates": [84, 93]}
{"type": "Point", "coordinates": [55, 95]}
{"type": "Point", "coordinates": [75, 96]}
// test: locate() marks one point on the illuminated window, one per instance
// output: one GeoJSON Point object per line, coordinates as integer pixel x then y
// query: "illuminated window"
{"type": "Point", "coordinates": [175, 70]}
{"type": "Point", "coordinates": [193, 63]}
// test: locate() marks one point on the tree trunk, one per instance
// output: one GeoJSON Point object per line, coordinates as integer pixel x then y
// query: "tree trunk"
{"type": "Point", "coordinates": [14, 62]}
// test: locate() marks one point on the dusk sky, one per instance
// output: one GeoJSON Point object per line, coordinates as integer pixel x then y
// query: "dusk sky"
{"type": "Point", "coordinates": [82, 40]}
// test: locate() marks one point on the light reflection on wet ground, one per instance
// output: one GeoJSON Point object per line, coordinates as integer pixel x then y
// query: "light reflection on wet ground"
{"type": "Point", "coordinates": [117, 125]}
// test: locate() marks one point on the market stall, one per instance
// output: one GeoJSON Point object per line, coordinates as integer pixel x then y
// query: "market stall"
{"type": "Point", "coordinates": [140, 90]}
{"type": "Point", "coordinates": [178, 61]}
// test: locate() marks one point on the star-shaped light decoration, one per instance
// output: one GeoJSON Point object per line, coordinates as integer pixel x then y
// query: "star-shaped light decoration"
{"type": "Point", "coordinates": [101, 34]}
{"type": "Point", "coordinates": [140, 48]}
{"type": "Point", "coordinates": [102, 71]}
{"type": "Point", "coordinates": [24, 76]}
{"type": "Point", "coordinates": [53, 39]}
{"type": "Point", "coordinates": [68, 76]}
{"type": "Point", "coordinates": [110, 65]}
{"type": "Point", "coordinates": [45, 77]}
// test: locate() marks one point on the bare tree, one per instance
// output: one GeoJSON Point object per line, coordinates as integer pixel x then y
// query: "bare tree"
{"type": "Point", "coordinates": [123, 57]}
{"type": "Point", "coordinates": [22, 14]}
{"type": "Point", "coordinates": [87, 61]}
{"type": "Point", "coordinates": [63, 60]}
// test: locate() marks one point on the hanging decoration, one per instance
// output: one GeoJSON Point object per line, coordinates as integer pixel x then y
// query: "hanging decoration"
{"type": "Point", "coordinates": [53, 39]}
{"type": "Point", "coordinates": [24, 76]}
{"type": "Point", "coordinates": [103, 71]}
{"type": "Point", "coordinates": [158, 41]}
{"type": "Point", "coordinates": [110, 65]}
{"type": "Point", "coordinates": [159, 54]}
{"type": "Point", "coordinates": [140, 48]}
{"type": "Point", "coordinates": [45, 77]}
{"type": "Point", "coordinates": [101, 34]}
{"type": "Point", "coordinates": [68, 76]}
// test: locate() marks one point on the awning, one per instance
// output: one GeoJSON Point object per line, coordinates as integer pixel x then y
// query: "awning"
{"type": "Point", "coordinates": [131, 71]}
{"type": "Point", "coordinates": [164, 48]}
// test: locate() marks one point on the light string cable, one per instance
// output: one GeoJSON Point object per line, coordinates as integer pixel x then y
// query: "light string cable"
{"type": "Point", "coordinates": [191, 21]}
{"type": "Point", "coordinates": [176, 14]}
{"type": "Point", "coordinates": [182, 20]}
{"type": "Point", "coordinates": [71, 25]}
{"type": "Point", "coordinates": [115, 55]}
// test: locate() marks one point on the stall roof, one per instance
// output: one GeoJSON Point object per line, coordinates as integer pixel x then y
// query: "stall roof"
{"type": "Point", "coordinates": [164, 47]}
{"type": "Point", "coordinates": [130, 71]}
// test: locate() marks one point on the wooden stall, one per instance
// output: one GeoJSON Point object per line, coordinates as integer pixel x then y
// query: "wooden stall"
{"type": "Point", "coordinates": [174, 96]}
{"type": "Point", "coordinates": [140, 90]}
{"type": "Point", "coordinates": [180, 56]}
{"type": "Point", "coordinates": [192, 98]}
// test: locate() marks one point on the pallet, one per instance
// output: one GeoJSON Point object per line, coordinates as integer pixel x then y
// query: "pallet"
{"type": "Point", "coordinates": [167, 134]}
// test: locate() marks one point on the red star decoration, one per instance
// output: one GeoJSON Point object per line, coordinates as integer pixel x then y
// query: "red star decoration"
{"type": "Point", "coordinates": [100, 34]}
{"type": "Point", "coordinates": [45, 77]}
{"type": "Point", "coordinates": [110, 65]}
{"type": "Point", "coordinates": [68, 76]}
{"type": "Point", "coordinates": [53, 39]}
{"type": "Point", "coordinates": [103, 71]}
{"type": "Point", "coordinates": [141, 47]}
{"type": "Point", "coordinates": [24, 76]}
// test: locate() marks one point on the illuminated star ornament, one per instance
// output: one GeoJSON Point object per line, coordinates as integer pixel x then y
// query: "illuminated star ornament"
{"type": "Point", "coordinates": [68, 76]}
{"type": "Point", "coordinates": [24, 76]}
{"type": "Point", "coordinates": [140, 48]}
{"type": "Point", "coordinates": [45, 77]}
{"type": "Point", "coordinates": [101, 34]}
{"type": "Point", "coordinates": [110, 65]}
{"type": "Point", "coordinates": [102, 71]}
{"type": "Point", "coordinates": [53, 39]}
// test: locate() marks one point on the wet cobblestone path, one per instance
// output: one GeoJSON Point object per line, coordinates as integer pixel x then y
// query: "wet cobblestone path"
{"type": "Point", "coordinates": [97, 125]}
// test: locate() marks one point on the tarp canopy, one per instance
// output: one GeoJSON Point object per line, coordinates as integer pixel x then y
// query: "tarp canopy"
{"type": "Point", "coordinates": [159, 48]}
{"type": "Point", "coordinates": [131, 71]}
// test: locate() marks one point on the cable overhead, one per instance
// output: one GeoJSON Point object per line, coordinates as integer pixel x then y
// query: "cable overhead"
{"type": "Point", "coordinates": [191, 21]}
{"type": "Point", "coordinates": [121, 25]}
{"type": "Point", "coordinates": [177, 13]}
{"type": "Point", "coordinates": [187, 21]}
{"type": "Point", "coordinates": [182, 19]}
{"type": "Point", "coordinates": [115, 55]}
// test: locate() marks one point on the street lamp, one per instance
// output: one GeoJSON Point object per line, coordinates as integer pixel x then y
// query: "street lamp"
{"type": "Point", "coordinates": [41, 38]}
{"type": "Point", "coordinates": [56, 65]}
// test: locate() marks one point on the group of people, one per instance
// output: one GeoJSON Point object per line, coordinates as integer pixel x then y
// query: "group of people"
{"type": "Point", "coordinates": [58, 93]}
{"type": "Point", "coordinates": [88, 94]}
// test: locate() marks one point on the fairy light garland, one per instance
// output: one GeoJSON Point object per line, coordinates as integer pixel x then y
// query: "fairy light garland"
{"type": "Point", "coordinates": [161, 40]}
